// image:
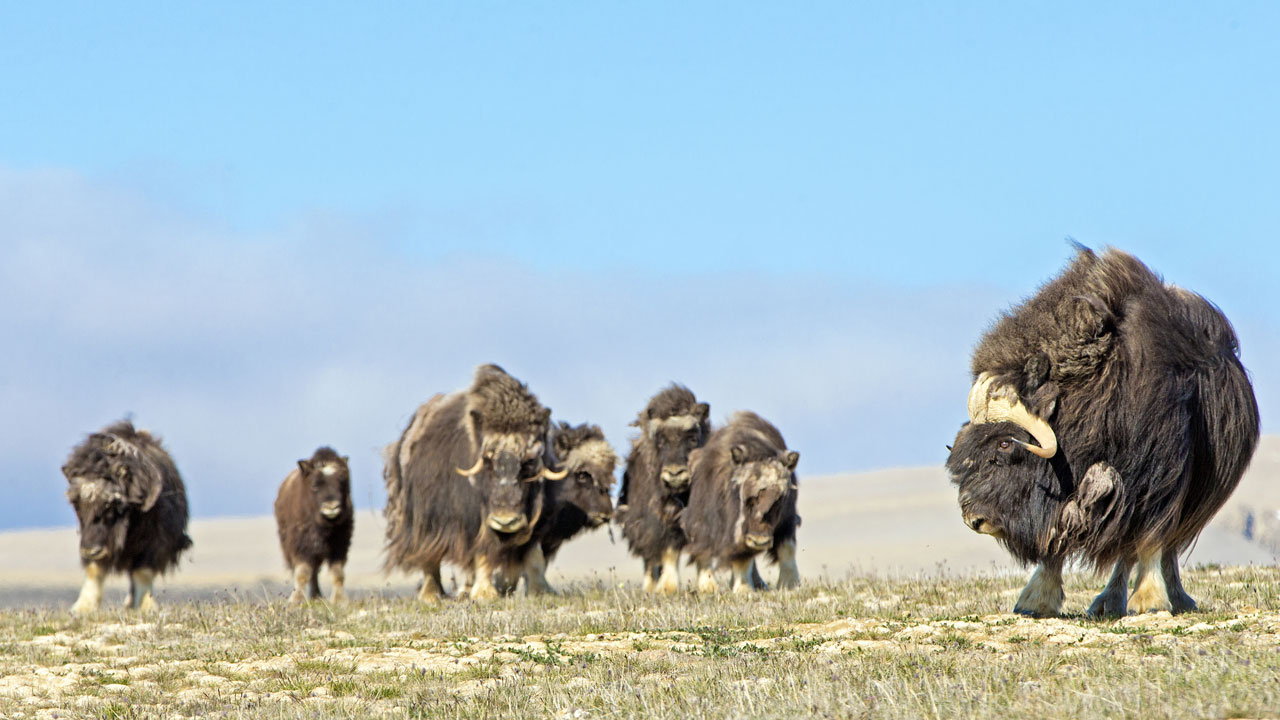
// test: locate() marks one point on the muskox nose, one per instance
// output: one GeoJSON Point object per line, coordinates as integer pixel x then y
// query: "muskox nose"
{"type": "Point", "coordinates": [599, 518]}
{"type": "Point", "coordinates": [507, 522]}
{"type": "Point", "coordinates": [676, 477]}
{"type": "Point", "coordinates": [97, 552]}
{"type": "Point", "coordinates": [759, 542]}
{"type": "Point", "coordinates": [331, 510]}
{"type": "Point", "coordinates": [983, 525]}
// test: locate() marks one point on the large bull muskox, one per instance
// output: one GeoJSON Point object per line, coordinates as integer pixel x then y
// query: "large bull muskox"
{"type": "Point", "coordinates": [655, 484]}
{"type": "Point", "coordinates": [1109, 419]}
{"type": "Point", "coordinates": [465, 484]}
{"type": "Point", "coordinates": [579, 502]}
{"type": "Point", "coordinates": [315, 519]}
{"type": "Point", "coordinates": [132, 510]}
{"type": "Point", "coordinates": [742, 503]}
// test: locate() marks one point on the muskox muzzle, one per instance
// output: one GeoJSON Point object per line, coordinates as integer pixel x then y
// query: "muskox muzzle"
{"type": "Point", "coordinates": [596, 519]}
{"type": "Point", "coordinates": [982, 524]}
{"type": "Point", "coordinates": [331, 510]}
{"type": "Point", "coordinates": [507, 522]}
{"type": "Point", "coordinates": [758, 542]}
{"type": "Point", "coordinates": [676, 477]}
{"type": "Point", "coordinates": [97, 552]}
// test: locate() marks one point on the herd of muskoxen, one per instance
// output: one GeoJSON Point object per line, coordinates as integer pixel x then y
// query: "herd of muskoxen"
{"type": "Point", "coordinates": [1109, 420]}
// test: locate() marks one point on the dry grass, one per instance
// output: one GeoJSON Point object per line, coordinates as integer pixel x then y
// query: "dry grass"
{"type": "Point", "coordinates": [925, 647]}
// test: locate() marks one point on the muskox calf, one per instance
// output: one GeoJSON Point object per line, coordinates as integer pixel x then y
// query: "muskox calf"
{"type": "Point", "coordinates": [742, 503]}
{"type": "Point", "coordinates": [465, 484]}
{"type": "Point", "coordinates": [132, 510]}
{"type": "Point", "coordinates": [1109, 419]}
{"type": "Point", "coordinates": [579, 502]}
{"type": "Point", "coordinates": [315, 519]}
{"type": "Point", "coordinates": [655, 484]}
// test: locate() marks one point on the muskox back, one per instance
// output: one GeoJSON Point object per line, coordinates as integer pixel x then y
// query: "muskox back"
{"type": "Point", "coordinates": [131, 506]}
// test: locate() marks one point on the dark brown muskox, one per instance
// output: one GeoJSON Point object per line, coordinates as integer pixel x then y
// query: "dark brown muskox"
{"type": "Point", "coordinates": [742, 502]}
{"type": "Point", "coordinates": [465, 484]}
{"type": "Point", "coordinates": [132, 509]}
{"type": "Point", "coordinates": [1110, 418]}
{"type": "Point", "coordinates": [315, 519]}
{"type": "Point", "coordinates": [579, 502]}
{"type": "Point", "coordinates": [655, 484]}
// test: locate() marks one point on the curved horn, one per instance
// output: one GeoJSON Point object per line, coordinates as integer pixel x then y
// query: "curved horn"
{"type": "Point", "coordinates": [1001, 404]}
{"type": "Point", "coordinates": [474, 468]}
{"type": "Point", "coordinates": [546, 473]}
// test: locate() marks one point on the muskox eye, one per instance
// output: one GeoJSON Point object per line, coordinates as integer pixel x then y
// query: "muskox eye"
{"type": "Point", "coordinates": [1006, 443]}
{"type": "Point", "coordinates": [583, 477]}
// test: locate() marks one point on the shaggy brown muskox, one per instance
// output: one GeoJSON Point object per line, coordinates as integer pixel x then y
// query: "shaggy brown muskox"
{"type": "Point", "coordinates": [465, 484]}
{"type": "Point", "coordinates": [655, 484]}
{"type": "Point", "coordinates": [1110, 418]}
{"type": "Point", "coordinates": [579, 502]}
{"type": "Point", "coordinates": [742, 502]}
{"type": "Point", "coordinates": [132, 509]}
{"type": "Point", "coordinates": [315, 519]}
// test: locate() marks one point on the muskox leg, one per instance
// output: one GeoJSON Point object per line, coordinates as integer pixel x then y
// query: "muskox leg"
{"type": "Point", "coordinates": [1111, 601]}
{"type": "Point", "coordinates": [91, 592]}
{"type": "Point", "coordinates": [302, 576]}
{"type": "Point", "coordinates": [431, 590]}
{"type": "Point", "coordinates": [742, 575]}
{"type": "Point", "coordinates": [1043, 595]}
{"type": "Point", "coordinates": [338, 572]}
{"type": "Point", "coordinates": [483, 589]}
{"type": "Point", "coordinates": [535, 572]}
{"type": "Point", "coordinates": [757, 582]}
{"type": "Point", "coordinates": [669, 580]}
{"type": "Point", "coordinates": [141, 582]}
{"type": "Point", "coordinates": [788, 573]}
{"type": "Point", "coordinates": [1178, 597]}
{"type": "Point", "coordinates": [707, 579]}
{"type": "Point", "coordinates": [650, 576]}
{"type": "Point", "coordinates": [1149, 591]}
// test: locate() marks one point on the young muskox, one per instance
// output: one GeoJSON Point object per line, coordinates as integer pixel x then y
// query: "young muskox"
{"type": "Point", "coordinates": [1109, 419]}
{"type": "Point", "coordinates": [315, 519]}
{"type": "Point", "coordinates": [742, 503]}
{"type": "Point", "coordinates": [465, 484]}
{"type": "Point", "coordinates": [655, 485]}
{"type": "Point", "coordinates": [579, 502]}
{"type": "Point", "coordinates": [132, 509]}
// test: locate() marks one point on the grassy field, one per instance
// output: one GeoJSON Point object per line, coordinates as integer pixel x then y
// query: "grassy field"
{"type": "Point", "coordinates": [864, 647]}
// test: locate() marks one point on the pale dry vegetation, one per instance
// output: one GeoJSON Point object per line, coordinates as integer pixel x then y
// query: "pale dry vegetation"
{"type": "Point", "coordinates": [865, 647]}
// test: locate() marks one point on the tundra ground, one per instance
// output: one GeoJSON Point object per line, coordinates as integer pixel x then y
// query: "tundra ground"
{"type": "Point", "coordinates": [864, 647]}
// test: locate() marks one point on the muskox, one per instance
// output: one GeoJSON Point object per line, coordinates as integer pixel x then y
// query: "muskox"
{"type": "Point", "coordinates": [465, 484]}
{"type": "Point", "coordinates": [1109, 419]}
{"type": "Point", "coordinates": [581, 501]}
{"type": "Point", "coordinates": [655, 484]}
{"type": "Point", "coordinates": [742, 502]}
{"type": "Point", "coordinates": [132, 510]}
{"type": "Point", "coordinates": [315, 518]}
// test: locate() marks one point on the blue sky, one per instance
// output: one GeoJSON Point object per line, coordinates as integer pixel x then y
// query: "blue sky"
{"type": "Point", "coordinates": [261, 229]}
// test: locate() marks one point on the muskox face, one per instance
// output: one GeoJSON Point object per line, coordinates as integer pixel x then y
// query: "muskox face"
{"type": "Point", "coordinates": [1005, 490]}
{"type": "Point", "coordinates": [764, 487]}
{"type": "Point", "coordinates": [590, 480]}
{"type": "Point", "coordinates": [109, 482]}
{"type": "Point", "coordinates": [329, 480]}
{"type": "Point", "coordinates": [673, 439]}
{"type": "Point", "coordinates": [509, 471]}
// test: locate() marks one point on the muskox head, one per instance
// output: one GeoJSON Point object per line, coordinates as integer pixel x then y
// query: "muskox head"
{"type": "Point", "coordinates": [328, 478]}
{"type": "Point", "coordinates": [111, 482]}
{"type": "Point", "coordinates": [765, 481]}
{"type": "Point", "coordinates": [507, 427]}
{"type": "Point", "coordinates": [1002, 463]}
{"type": "Point", "coordinates": [674, 424]}
{"type": "Point", "coordinates": [589, 461]}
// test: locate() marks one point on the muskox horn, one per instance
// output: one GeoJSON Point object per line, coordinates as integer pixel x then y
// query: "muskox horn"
{"type": "Point", "coordinates": [474, 468]}
{"type": "Point", "coordinates": [546, 473]}
{"type": "Point", "coordinates": [1003, 405]}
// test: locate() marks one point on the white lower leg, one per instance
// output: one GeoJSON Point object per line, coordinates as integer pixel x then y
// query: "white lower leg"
{"type": "Point", "coordinates": [669, 580]}
{"type": "Point", "coordinates": [301, 582]}
{"type": "Point", "coordinates": [91, 592]}
{"type": "Point", "coordinates": [535, 572]}
{"type": "Point", "coordinates": [338, 572]}
{"type": "Point", "coordinates": [482, 589]}
{"type": "Point", "coordinates": [707, 580]}
{"type": "Point", "coordinates": [431, 590]}
{"type": "Point", "coordinates": [1149, 591]}
{"type": "Point", "coordinates": [788, 573]}
{"type": "Point", "coordinates": [742, 575]}
{"type": "Point", "coordinates": [142, 582]}
{"type": "Point", "coordinates": [1043, 595]}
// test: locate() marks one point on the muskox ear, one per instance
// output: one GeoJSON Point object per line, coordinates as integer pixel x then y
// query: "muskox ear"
{"type": "Point", "coordinates": [345, 460]}
{"type": "Point", "coordinates": [304, 467]}
{"type": "Point", "coordinates": [477, 423]}
{"type": "Point", "coordinates": [65, 472]}
{"type": "Point", "coordinates": [560, 445]}
{"type": "Point", "coordinates": [1035, 372]}
{"type": "Point", "coordinates": [702, 410]}
{"type": "Point", "coordinates": [790, 459]}
{"type": "Point", "coordinates": [738, 454]}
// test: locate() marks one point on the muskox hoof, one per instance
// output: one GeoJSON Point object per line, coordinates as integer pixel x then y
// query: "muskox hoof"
{"type": "Point", "coordinates": [297, 598]}
{"type": "Point", "coordinates": [339, 597]}
{"type": "Point", "coordinates": [707, 585]}
{"type": "Point", "coordinates": [148, 605]}
{"type": "Point", "coordinates": [83, 608]}
{"type": "Point", "coordinates": [667, 585]}
{"type": "Point", "coordinates": [1106, 605]}
{"type": "Point", "coordinates": [1149, 599]}
{"type": "Point", "coordinates": [788, 581]}
{"type": "Point", "coordinates": [1182, 602]}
